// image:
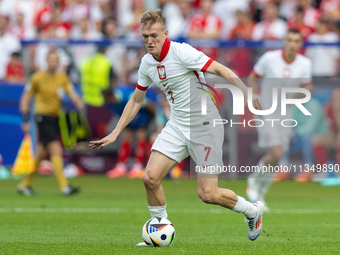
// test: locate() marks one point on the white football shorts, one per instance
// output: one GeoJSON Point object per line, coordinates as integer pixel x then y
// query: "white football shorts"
{"type": "Point", "coordinates": [204, 147]}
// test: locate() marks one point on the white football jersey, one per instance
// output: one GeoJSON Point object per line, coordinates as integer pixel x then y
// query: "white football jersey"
{"type": "Point", "coordinates": [277, 72]}
{"type": "Point", "coordinates": [177, 74]}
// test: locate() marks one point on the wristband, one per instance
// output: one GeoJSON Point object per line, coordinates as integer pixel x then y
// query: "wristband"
{"type": "Point", "coordinates": [25, 116]}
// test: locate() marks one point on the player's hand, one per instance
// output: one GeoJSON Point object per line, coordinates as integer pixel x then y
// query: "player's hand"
{"type": "Point", "coordinates": [256, 102]}
{"type": "Point", "coordinates": [25, 127]}
{"type": "Point", "coordinates": [107, 140]}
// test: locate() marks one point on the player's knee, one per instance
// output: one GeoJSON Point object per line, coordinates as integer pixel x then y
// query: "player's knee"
{"type": "Point", "coordinates": [206, 196]}
{"type": "Point", "coordinates": [150, 182]}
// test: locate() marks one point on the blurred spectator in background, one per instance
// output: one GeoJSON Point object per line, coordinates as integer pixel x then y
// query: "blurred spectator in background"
{"type": "Point", "coordinates": [241, 60]}
{"type": "Point", "coordinates": [84, 30]}
{"type": "Point", "coordinates": [50, 17]}
{"type": "Point", "coordinates": [178, 25]}
{"type": "Point", "coordinates": [115, 52]}
{"type": "Point", "coordinates": [15, 71]}
{"type": "Point", "coordinates": [205, 25]}
{"type": "Point", "coordinates": [287, 8]}
{"type": "Point", "coordinates": [312, 15]}
{"type": "Point", "coordinates": [41, 50]}
{"type": "Point", "coordinates": [79, 9]}
{"type": "Point", "coordinates": [19, 29]}
{"type": "Point", "coordinates": [330, 9]}
{"type": "Point", "coordinates": [131, 23]}
{"type": "Point", "coordinates": [299, 24]}
{"type": "Point", "coordinates": [96, 77]}
{"type": "Point", "coordinates": [8, 45]}
{"type": "Point", "coordinates": [107, 7]}
{"type": "Point", "coordinates": [333, 118]}
{"type": "Point", "coordinates": [28, 8]}
{"type": "Point", "coordinates": [226, 12]}
{"type": "Point", "coordinates": [244, 27]}
{"type": "Point", "coordinates": [50, 25]}
{"type": "Point", "coordinates": [325, 60]}
{"type": "Point", "coordinates": [323, 143]}
{"type": "Point", "coordinates": [307, 129]}
{"type": "Point", "coordinates": [271, 26]}
{"type": "Point", "coordinates": [131, 62]}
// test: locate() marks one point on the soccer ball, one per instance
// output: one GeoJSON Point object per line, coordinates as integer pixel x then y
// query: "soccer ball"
{"type": "Point", "coordinates": [158, 232]}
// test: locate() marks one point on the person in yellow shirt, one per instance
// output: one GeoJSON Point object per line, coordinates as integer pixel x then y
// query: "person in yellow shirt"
{"type": "Point", "coordinates": [48, 87]}
{"type": "Point", "coordinates": [97, 82]}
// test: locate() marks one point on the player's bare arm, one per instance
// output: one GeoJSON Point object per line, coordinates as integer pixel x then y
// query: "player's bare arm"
{"type": "Point", "coordinates": [224, 72]}
{"type": "Point", "coordinates": [252, 82]}
{"type": "Point", "coordinates": [131, 109]}
{"type": "Point", "coordinates": [76, 99]}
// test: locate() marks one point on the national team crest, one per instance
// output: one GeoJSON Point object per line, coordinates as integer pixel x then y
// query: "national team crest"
{"type": "Point", "coordinates": [161, 72]}
{"type": "Point", "coordinates": [287, 73]}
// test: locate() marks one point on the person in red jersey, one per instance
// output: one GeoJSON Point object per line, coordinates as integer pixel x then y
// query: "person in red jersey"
{"type": "Point", "coordinates": [299, 24]}
{"type": "Point", "coordinates": [15, 71]}
{"type": "Point", "coordinates": [205, 25]}
{"type": "Point", "coordinates": [240, 60]}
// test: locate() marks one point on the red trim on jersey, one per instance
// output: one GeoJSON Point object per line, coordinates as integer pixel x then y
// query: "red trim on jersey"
{"type": "Point", "coordinates": [198, 77]}
{"type": "Point", "coordinates": [141, 87]}
{"type": "Point", "coordinates": [284, 58]}
{"type": "Point", "coordinates": [165, 50]}
{"type": "Point", "coordinates": [205, 67]}
{"type": "Point", "coordinates": [256, 74]}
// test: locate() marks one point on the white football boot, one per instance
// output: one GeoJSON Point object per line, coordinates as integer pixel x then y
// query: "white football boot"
{"type": "Point", "coordinates": [142, 244]}
{"type": "Point", "coordinates": [255, 223]}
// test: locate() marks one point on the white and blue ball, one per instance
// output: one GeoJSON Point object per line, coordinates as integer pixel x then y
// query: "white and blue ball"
{"type": "Point", "coordinates": [158, 232]}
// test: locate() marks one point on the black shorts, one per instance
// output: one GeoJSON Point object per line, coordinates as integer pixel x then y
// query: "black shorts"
{"type": "Point", "coordinates": [48, 128]}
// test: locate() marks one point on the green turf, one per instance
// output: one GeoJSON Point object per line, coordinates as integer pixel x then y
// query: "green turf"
{"type": "Point", "coordinates": [107, 217]}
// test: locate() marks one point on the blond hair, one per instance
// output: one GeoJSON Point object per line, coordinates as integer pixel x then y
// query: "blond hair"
{"type": "Point", "coordinates": [151, 17]}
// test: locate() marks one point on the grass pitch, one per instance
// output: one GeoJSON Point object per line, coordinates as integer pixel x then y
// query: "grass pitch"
{"type": "Point", "coordinates": [107, 218]}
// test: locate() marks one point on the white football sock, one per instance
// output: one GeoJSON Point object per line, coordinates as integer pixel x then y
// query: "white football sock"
{"type": "Point", "coordinates": [245, 207]}
{"type": "Point", "coordinates": [158, 211]}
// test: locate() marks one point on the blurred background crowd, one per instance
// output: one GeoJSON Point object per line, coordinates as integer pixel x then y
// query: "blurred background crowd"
{"type": "Point", "coordinates": [29, 29]}
{"type": "Point", "coordinates": [319, 21]}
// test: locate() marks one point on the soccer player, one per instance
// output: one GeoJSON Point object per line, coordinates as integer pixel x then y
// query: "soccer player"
{"type": "Point", "coordinates": [171, 66]}
{"type": "Point", "coordinates": [48, 87]}
{"type": "Point", "coordinates": [278, 68]}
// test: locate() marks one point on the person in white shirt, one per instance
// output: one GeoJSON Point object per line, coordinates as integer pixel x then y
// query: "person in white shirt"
{"type": "Point", "coordinates": [325, 59]}
{"type": "Point", "coordinates": [178, 23]}
{"type": "Point", "coordinates": [278, 68]}
{"type": "Point", "coordinates": [271, 27]}
{"type": "Point", "coordinates": [8, 45]}
{"type": "Point", "coordinates": [20, 30]}
{"type": "Point", "coordinates": [83, 31]}
{"type": "Point", "coordinates": [312, 15]}
{"type": "Point", "coordinates": [171, 66]}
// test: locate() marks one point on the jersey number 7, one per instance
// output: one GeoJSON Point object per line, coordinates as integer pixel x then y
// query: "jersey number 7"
{"type": "Point", "coordinates": [171, 95]}
{"type": "Point", "coordinates": [208, 151]}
